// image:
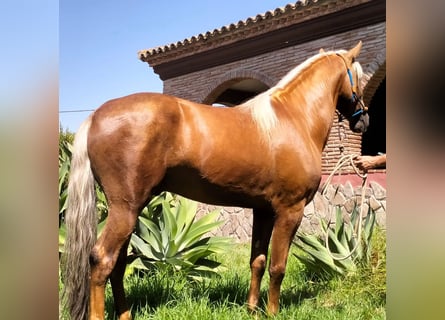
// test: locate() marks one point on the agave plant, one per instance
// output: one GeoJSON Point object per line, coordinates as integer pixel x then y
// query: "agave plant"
{"type": "Point", "coordinates": [341, 251]}
{"type": "Point", "coordinates": [168, 234]}
{"type": "Point", "coordinates": [64, 167]}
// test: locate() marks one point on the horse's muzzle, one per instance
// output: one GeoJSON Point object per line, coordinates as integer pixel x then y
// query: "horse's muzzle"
{"type": "Point", "coordinates": [360, 125]}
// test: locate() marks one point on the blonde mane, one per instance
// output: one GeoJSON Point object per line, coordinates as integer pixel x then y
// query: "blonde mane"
{"type": "Point", "coordinates": [262, 113]}
{"type": "Point", "coordinates": [298, 69]}
{"type": "Point", "coordinates": [359, 71]}
{"type": "Point", "coordinates": [260, 106]}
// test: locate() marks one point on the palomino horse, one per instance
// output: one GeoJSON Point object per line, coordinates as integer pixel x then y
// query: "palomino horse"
{"type": "Point", "coordinates": [264, 154]}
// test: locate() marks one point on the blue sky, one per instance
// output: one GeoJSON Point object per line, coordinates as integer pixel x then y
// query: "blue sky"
{"type": "Point", "coordinates": [99, 41]}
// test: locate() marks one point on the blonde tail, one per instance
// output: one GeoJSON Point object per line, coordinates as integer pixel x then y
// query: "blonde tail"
{"type": "Point", "coordinates": [81, 225]}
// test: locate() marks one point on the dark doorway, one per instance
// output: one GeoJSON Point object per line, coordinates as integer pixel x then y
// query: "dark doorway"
{"type": "Point", "coordinates": [374, 139]}
{"type": "Point", "coordinates": [239, 91]}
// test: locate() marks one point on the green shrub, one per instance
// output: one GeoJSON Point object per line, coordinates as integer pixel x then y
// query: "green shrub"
{"type": "Point", "coordinates": [168, 234]}
{"type": "Point", "coordinates": [341, 251]}
{"type": "Point", "coordinates": [64, 168]}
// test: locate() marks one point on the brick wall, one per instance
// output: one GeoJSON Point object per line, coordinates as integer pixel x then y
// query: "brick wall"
{"type": "Point", "coordinates": [269, 68]}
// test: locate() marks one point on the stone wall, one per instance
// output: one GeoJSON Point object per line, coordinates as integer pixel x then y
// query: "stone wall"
{"type": "Point", "coordinates": [347, 198]}
{"type": "Point", "coordinates": [238, 221]}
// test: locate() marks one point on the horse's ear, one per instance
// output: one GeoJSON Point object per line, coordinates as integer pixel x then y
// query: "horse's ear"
{"type": "Point", "coordinates": [354, 52]}
{"type": "Point", "coordinates": [321, 50]}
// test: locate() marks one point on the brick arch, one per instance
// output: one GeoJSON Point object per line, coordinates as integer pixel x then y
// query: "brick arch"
{"type": "Point", "coordinates": [219, 85]}
{"type": "Point", "coordinates": [377, 71]}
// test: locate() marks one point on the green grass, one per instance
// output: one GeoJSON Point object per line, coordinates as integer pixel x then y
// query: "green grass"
{"type": "Point", "coordinates": [164, 295]}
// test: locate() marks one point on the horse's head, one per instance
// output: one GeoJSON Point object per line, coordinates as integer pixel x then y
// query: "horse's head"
{"type": "Point", "coordinates": [350, 103]}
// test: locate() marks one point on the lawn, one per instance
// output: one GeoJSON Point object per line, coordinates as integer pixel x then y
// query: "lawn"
{"type": "Point", "coordinates": [164, 295]}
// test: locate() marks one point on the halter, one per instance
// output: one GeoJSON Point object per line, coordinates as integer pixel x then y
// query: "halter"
{"type": "Point", "coordinates": [355, 98]}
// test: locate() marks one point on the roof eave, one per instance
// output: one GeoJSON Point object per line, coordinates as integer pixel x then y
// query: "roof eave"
{"type": "Point", "coordinates": [170, 64]}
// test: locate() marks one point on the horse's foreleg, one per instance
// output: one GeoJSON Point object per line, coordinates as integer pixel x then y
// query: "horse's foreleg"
{"type": "Point", "coordinates": [286, 224]}
{"type": "Point", "coordinates": [261, 231]}
{"type": "Point", "coordinates": [105, 254]}
{"type": "Point", "coordinates": [117, 284]}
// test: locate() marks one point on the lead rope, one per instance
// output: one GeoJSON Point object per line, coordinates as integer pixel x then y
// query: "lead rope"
{"type": "Point", "coordinates": [345, 159]}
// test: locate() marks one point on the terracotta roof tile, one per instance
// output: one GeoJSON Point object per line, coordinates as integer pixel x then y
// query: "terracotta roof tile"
{"type": "Point", "coordinates": [223, 30]}
{"type": "Point", "coordinates": [261, 23]}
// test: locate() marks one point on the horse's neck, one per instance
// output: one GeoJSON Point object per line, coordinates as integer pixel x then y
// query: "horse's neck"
{"type": "Point", "coordinates": [311, 97]}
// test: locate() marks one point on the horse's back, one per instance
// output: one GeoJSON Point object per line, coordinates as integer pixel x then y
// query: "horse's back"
{"type": "Point", "coordinates": [132, 116]}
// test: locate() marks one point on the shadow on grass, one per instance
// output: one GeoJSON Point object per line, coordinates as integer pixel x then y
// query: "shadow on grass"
{"type": "Point", "coordinates": [295, 297]}
{"type": "Point", "coordinates": [146, 294]}
{"type": "Point", "coordinates": [232, 290]}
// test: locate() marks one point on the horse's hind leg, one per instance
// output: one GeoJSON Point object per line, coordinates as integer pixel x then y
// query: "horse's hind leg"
{"type": "Point", "coordinates": [109, 248]}
{"type": "Point", "coordinates": [286, 224]}
{"type": "Point", "coordinates": [261, 231]}
{"type": "Point", "coordinates": [117, 284]}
